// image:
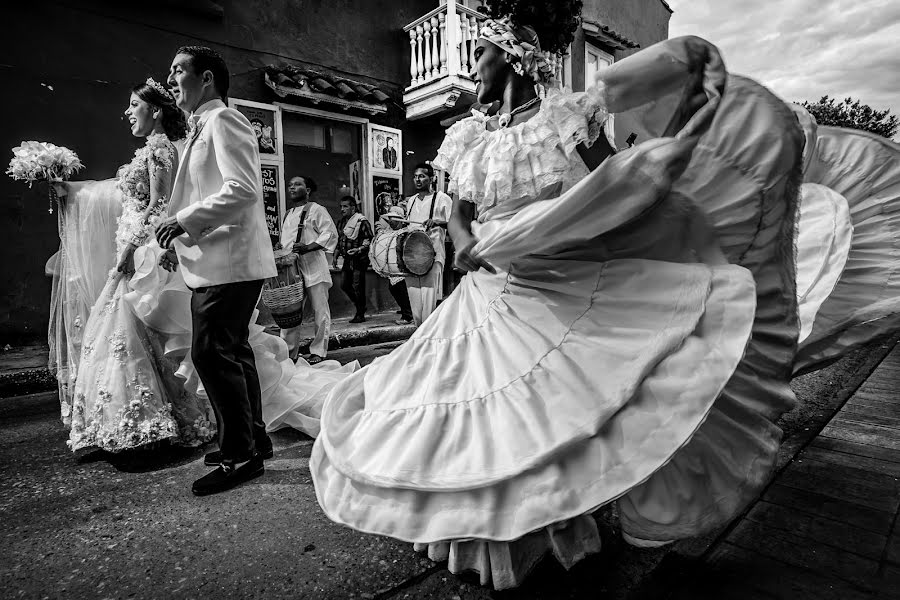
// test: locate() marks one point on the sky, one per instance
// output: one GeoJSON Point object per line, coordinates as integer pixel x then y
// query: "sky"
{"type": "Point", "coordinates": [804, 49]}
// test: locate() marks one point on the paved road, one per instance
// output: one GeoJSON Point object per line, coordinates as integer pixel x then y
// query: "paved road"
{"type": "Point", "coordinates": [120, 527]}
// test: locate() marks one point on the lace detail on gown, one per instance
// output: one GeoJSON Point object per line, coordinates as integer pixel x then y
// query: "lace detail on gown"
{"type": "Point", "coordinates": [126, 392]}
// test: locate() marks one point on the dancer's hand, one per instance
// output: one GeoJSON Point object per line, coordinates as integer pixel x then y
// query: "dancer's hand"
{"type": "Point", "coordinates": [169, 261]}
{"type": "Point", "coordinates": [167, 231]}
{"type": "Point", "coordinates": [466, 260]}
{"type": "Point", "coordinates": [126, 260]}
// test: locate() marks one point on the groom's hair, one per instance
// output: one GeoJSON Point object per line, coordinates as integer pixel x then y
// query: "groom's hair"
{"type": "Point", "coordinates": [206, 59]}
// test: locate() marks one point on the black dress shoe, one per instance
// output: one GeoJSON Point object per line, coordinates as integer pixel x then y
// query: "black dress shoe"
{"type": "Point", "coordinates": [228, 476]}
{"type": "Point", "coordinates": [214, 458]}
{"type": "Point", "coordinates": [358, 319]}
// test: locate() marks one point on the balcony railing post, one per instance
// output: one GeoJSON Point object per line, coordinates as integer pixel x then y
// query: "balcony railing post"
{"type": "Point", "coordinates": [429, 69]}
{"type": "Point", "coordinates": [473, 38]}
{"type": "Point", "coordinates": [453, 39]}
{"type": "Point", "coordinates": [420, 70]}
{"type": "Point", "coordinates": [443, 53]}
{"type": "Point", "coordinates": [464, 37]}
{"type": "Point", "coordinates": [413, 68]}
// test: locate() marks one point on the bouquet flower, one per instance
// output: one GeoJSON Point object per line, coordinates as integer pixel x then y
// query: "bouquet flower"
{"type": "Point", "coordinates": [43, 161]}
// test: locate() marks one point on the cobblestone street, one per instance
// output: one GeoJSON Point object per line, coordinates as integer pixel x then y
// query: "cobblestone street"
{"type": "Point", "coordinates": [117, 527]}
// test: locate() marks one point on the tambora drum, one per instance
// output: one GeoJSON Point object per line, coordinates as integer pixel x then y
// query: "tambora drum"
{"type": "Point", "coordinates": [402, 252]}
{"type": "Point", "coordinates": [283, 294]}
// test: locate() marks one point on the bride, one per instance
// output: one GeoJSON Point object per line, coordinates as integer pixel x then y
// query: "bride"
{"type": "Point", "coordinates": [120, 324]}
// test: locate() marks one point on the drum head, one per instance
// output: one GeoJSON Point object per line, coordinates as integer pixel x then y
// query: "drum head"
{"type": "Point", "coordinates": [418, 253]}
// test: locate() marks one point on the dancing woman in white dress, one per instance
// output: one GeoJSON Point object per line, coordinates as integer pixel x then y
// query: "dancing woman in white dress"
{"type": "Point", "coordinates": [625, 331]}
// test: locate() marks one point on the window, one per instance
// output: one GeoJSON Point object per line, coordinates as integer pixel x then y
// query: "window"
{"type": "Point", "coordinates": [565, 72]}
{"type": "Point", "coordinates": [594, 60]}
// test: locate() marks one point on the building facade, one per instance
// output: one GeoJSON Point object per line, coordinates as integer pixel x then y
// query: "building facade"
{"type": "Point", "coordinates": [352, 93]}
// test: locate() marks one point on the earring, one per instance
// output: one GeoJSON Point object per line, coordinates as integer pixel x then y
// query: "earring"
{"type": "Point", "coordinates": [156, 115]}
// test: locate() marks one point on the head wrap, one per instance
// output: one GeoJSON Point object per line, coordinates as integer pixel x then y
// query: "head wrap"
{"type": "Point", "coordinates": [521, 43]}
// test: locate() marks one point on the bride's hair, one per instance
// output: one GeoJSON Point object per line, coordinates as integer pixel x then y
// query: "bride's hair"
{"type": "Point", "coordinates": [554, 22]}
{"type": "Point", "coordinates": [174, 122]}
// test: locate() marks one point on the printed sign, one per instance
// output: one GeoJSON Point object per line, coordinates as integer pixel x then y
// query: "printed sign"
{"type": "Point", "coordinates": [387, 193]}
{"type": "Point", "coordinates": [271, 181]}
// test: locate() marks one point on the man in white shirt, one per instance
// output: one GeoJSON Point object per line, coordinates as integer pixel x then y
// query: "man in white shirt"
{"type": "Point", "coordinates": [310, 231]}
{"type": "Point", "coordinates": [217, 228]}
{"type": "Point", "coordinates": [429, 209]}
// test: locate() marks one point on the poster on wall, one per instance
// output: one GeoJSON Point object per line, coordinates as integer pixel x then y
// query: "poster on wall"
{"type": "Point", "coordinates": [266, 124]}
{"type": "Point", "coordinates": [387, 193]}
{"type": "Point", "coordinates": [271, 185]}
{"type": "Point", "coordinates": [355, 180]}
{"type": "Point", "coordinates": [386, 148]}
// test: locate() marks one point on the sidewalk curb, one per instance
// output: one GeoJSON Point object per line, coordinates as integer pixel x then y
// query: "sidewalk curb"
{"type": "Point", "coordinates": [32, 381]}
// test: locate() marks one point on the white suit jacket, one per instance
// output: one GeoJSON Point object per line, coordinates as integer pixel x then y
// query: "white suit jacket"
{"type": "Point", "coordinates": [217, 199]}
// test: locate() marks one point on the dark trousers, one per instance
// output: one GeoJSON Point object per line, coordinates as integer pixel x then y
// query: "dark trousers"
{"type": "Point", "coordinates": [353, 283]}
{"type": "Point", "coordinates": [401, 296]}
{"type": "Point", "coordinates": [224, 361]}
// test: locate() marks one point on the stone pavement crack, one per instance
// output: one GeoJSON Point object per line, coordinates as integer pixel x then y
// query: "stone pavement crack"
{"type": "Point", "coordinates": [412, 581]}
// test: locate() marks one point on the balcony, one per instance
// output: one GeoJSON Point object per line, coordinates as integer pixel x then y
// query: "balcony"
{"type": "Point", "coordinates": [442, 44]}
{"type": "Point", "coordinates": [442, 48]}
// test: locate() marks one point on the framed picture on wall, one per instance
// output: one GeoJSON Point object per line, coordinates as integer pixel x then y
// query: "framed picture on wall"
{"type": "Point", "coordinates": [386, 149]}
{"type": "Point", "coordinates": [386, 189]}
{"type": "Point", "coordinates": [266, 122]}
{"type": "Point", "coordinates": [356, 180]}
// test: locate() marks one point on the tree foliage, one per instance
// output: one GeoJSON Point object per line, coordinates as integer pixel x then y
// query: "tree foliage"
{"type": "Point", "coordinates": [853, 114]}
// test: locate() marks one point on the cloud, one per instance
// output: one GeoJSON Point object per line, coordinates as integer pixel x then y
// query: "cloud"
{"type": "Point", "coordinates": [804, 49]}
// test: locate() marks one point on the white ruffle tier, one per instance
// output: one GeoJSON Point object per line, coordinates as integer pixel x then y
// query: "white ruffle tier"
{"type": "Point", "coordinates": [824, 234]}
{"type": "Point", "coordinates": [552, 390]}
{"type": "Point", "coordinates": [745, 175]}
{"type": "Point", "coordinates": [864, 169]}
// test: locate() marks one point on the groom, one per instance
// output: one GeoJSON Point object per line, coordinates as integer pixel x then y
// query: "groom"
{"type": "Point", "coordinates": [218, 230]}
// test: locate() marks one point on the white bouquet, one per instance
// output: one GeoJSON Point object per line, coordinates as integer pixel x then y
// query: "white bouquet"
{"type": "Point", "coordinates": [43, 161]}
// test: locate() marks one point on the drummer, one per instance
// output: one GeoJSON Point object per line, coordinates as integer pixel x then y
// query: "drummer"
{"type": "Point", "coordinates": [310, 231]}
{"type": "Point", "coordinates": [431, 210]}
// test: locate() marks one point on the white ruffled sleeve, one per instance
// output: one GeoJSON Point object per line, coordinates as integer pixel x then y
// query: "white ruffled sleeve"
{"type": "Point", "coordinates": [457, 142]}
{"type": "Point", "coordinates": [578, 117]}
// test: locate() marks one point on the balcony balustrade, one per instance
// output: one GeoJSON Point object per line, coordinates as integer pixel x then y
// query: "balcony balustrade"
{"type": "Point", "coordinates": [442, 57]}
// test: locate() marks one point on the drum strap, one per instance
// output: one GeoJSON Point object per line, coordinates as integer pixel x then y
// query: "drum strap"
{"type": "Point", "coordinates": [303, 213]}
